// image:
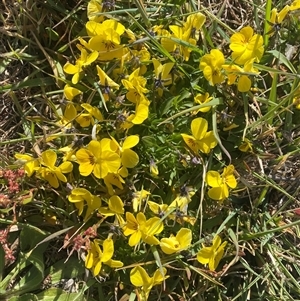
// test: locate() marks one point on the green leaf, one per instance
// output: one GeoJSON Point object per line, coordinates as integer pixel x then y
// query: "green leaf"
{"type": "Point", "coordinates": [149, 141]}
{"type": "Point", "coordinates": [73, 268]}
{"type": "Point", "coordinates": [166, 105]}
{"type": "Point", "coordinates": [53, 35]}
{"type": "Point", "coordinates": [30, 237]}
{"type": "Point", "coordinates": [4, 64]}
{"type": "Point", "coordinates": [283, 60]}
{"type": "Point", "coordinates": [32, 270]}
{"type": "Point", "coordinates": [30, 264]}
{"type": "Point", "coordinates": [157, 259]}
{"type": "Point", "coordinates": [216, 134]}
{"type": "Point", "coordinates": [28, 83]}
{"type": "Point", "coordinates": [26, 297]}
{"type": "Point", "coordinates": [59, 294]}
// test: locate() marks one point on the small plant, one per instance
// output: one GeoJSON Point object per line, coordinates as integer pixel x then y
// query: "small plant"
{"type": "Point", "coordinates": [149, 145]}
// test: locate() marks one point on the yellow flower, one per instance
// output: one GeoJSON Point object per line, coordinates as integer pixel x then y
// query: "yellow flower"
{"type": "Point", "coordinates": [202, 140]}
{"type": "Point", "coordinates": [246, 146]}
{"type": "Point", "coordinates": [153, 169]}
{"type": "Point", "coordinates": [140, 278]}
{"type": "Point", "coordinates": [295, 5]}
{"type": "Point", "coordinates": [86, 119]}
{"type": "Point", "coordinates": [211, 65]}
{"type": "Point", "coordinates": [98, 159]}
{"type": "Point", "coordinates": [173, 211]}
{"type": "Point", "coordinates": [183, 198]}
{"type": "Point", "coordinates": [140, 115]}
{"type": "Point", "coordinates": [129, 158]}
{"type": "Point", "coordinates": [296, 98]}
{"type": "Point", "coordinates": [193, 23]}
{"type": "Point", "coordinates": [235, 72]}
{"type": "Point", "coordinates": [221, 183]}
{"type": "Point", "coordinates": [114, 179]}
{"type": "Point", "coordinates": [115, 207]}
{"type": "Point", "coordinates": [202, 99]}
{"type": "Point", "coordinates": [158, 209]}
{"type": "Point", "coordinates": [178, 42]}
{"type": "Point", "coordinates": [133, 227]}
{"type": "Point", "coordinates": [138, 197]}
{"type": "Point", "coordinates": [139, 228]}
{"type": "Point", "coordinates": [98, 29]}
{"type": "Point", "coordinates": [30, 164]}
{"type": "Point", "coordinates": [212, 255]}
{"type": "Point", "coordinates": [95, 7]}
{"type": "Point", "coordinates": [71, 92]}
{"type": "Point", "coordinates": [139, 58]}
{"type": "Point", "coordinates": [84, 60]}
{"type": "Point", "coordinates": [135, 84]}
{"type": "Point", "coordinates": [181, 34]}
{"type": "Point", "coordinates": [50, 172]}
{"type": "Point", "coordinates": [70, 150]}
{"type": "Point", "coordinates": [70, 114]}
{"type": "Point", "coordinates": [162, 75]}
{"type": "Point", "coordinates": [106, 83]}
{"type": "Point", "coordinates": [277, 18]}
{"type": "Point", "coordinates": [105, 38]}
{"type": "Point", "coordinates": [177, 243]}
{"type": "Point", "coordinates": [96, 257]}
{"type": "Point", "coordinates": [246, 46]}
{"type": "Point", "coordinates": [80, 196]}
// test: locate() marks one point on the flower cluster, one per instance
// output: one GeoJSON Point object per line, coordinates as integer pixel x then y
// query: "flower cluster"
{"type": "Point", "coordinates": [119, 176]}
{"type": "Point", "coordinates": [247, 48]}
{"type": "Point", "coordinates": [106, 120]}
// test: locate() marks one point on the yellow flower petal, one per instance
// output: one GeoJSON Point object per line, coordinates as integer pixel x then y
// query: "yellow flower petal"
{"type": "Point", "coordinates": [71, 92]}
{"type": "Point", "coordinates": [213, 178]}
{"type": "Point", "coordinates": [108, 249]}
{"type": "Point", "coordinates": [66, 167]}
{"type": "Point", "coordinates": [219, 193]}
{"type": "Point", "coordinates": [72, 69]}
{"type": "Point", "coordinates": [150, 240]}
{"type": "Point", "coordinates": [134, 239]}
{"type": "Point", "coordinates": [154, 226]}
{"type": "Point", "coordinates": [49, 158]}
{"type": "Point", "coordinates": [60, 176]}
{"type": "Point", "coordinates": [207, 143]}
{"type": "Point", "coordinates": [52, 179]}
{"type": "Point", "coordinates": [114, 263]}
{"type": "Point", "coordinates": [141, 114]}
{"type": "Point", "coordinates": [199, 128]}
{"type": "Point", "coordinates": [204, 255]}
{"type": "Point", "coordinates": [216, 242]}
{"type": "Point", "coordinates": [139, 277]}
{"type": "Point", "coordinates": [158, 277]}
{"type": "Point", "coordinates": [105, 80]}
{"type": "Point", "coordinates": [191, 142]}
{"type": "Point", "coordinates": [129, 158]}
{"type": "Point", "coordinates": [116, 205]}
{"type": "Point", "coordinates": [169, 245]}
{"type": "Point", "coordinates": [244, 83]}
{"type": "Point", "coordinates": [95, 148]}
{"type": "Point", "coordinates": [90, 258]}
{"type": "Point", "coordinates": [141, 218]}
{"type": "Point", "coordinates": [130, 141]}
{"type": "Point", "coordinates": [218, 256]}
{"type": "Point", "coordinates": [184, 237]}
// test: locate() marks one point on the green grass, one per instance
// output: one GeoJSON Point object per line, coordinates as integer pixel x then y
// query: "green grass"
{"type": "Point", "coordinates": [47, 232]}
